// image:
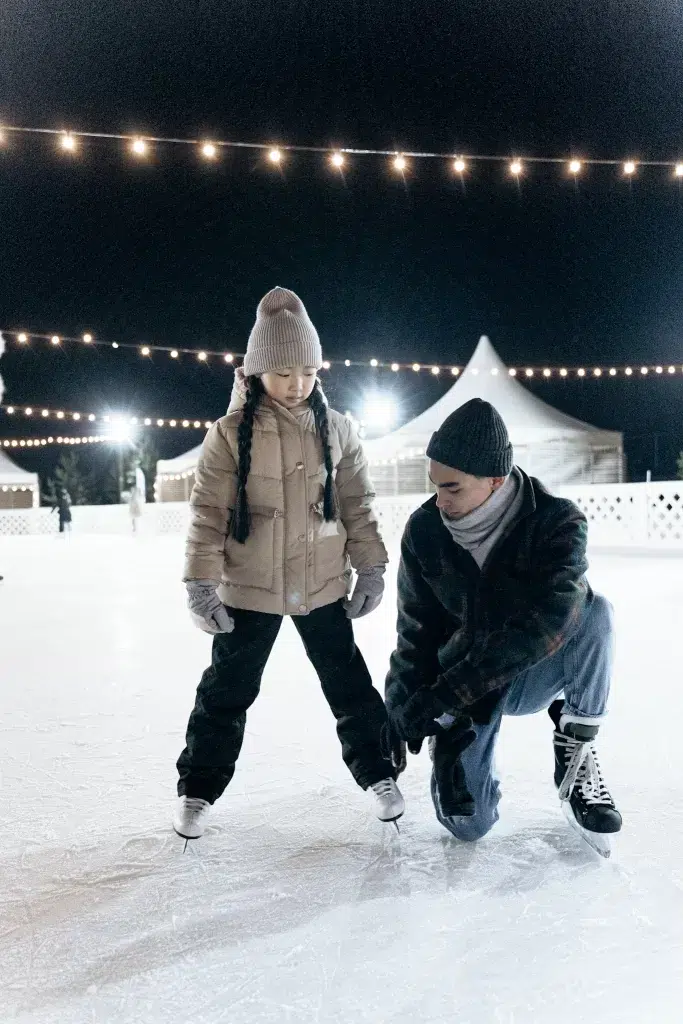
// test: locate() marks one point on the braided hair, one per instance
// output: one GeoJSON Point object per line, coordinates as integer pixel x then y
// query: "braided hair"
{"type": "Point", "coordinates": [241, 520]}
{"type": "Point", "coordinates": [319, 406]}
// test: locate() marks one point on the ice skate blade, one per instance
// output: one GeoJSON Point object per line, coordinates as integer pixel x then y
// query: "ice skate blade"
{"type": "Point", "coordinates": [188, 839]}
{"type": "Point", "coordinates": [598, 841]}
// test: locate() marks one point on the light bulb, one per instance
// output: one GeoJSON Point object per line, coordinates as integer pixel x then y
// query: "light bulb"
{"type": "Point", "coordinates": [45, 413]}
{"type": "Point", "coordinates": [29, 410]}
{"type": "Point", "coordinates": [172, 423]}
{"type": "Point", "coordinates": [581, 372]}
{"type": "Point", "coordinates": [678, 170]}
{"type": "Point", "coordinates": [196, 424]}
{"type": "Point", "coordinates": [612, 372]}
{"type": "Point", "coordinates": [144, 351]}
{"type": "Point", "coordinates": [160, 423]}
{"type": "Point", "coordinates": [672, 369]}
{"type": "Point", "coordinates": [643, 370]}
{"type": "Point", "coordinates": [400, 163]}
{"type": "Point", "coordinates": [455, 370]}
{"type": "Point", "coordinates": [347, 362]}
{"type": "Point", "coordinates": [174, 353]}
{"type": "Point", "coordinates": [186, 423]}
{"type": "Point", "coordinates": [148, 422]}
{"type": "Point", "coordinates": [416, 367]}
{"type": "Point", "coordinates": [659, 369]}
{"type": "Point", "coordinates": [436, 370]}
{"type": "Point", "coordinates": [529, 372]}
{"type": "Point", "coordinates": [275, 156]}
{"type": "Point", "coordinates": [207, 424]}
{"type": "Point", "coordinates": [516, 167]}
{"type": "Point", "coordinates": [512, 371]}
{"type": "Point", "coordinates": [563, 372]}
{"type": "Point", "coordinates": [629, 167]}
{"type": "Point", "coordinates": [209, 151]}
{"type": "Point", "coordinates": [395, 367]}
{"type": "Point", "coordinates": [114, 344]}
{"type": "Point", "coordinates": [628, 371]}
{"type": "Point", "coordinates": [597, 372]}
{"type": "Point", "coordinates": [77, 416]}
{"type": "Point", "coordinates": [546, 372]}
{"type": "Point", "coordinates": [201, 356]}
{"type": "Point", "coordinates": [373, 362]}
{"type": "Point", "coordinates": [575, 167]}
{"type": "Point", "coordinates": [68, 142]}
{"type": "Point", "coordinates": [60, 415]}
{"type": "Point", "coordinates": [91, 417]}
{"type": "Point", "coordinates": [87, 338]}
{"type": "Point", "coordinates": [55, 339]}
{"type": "Point", "coordinates": [139, 147]}
{"type": "Point", "coordinates": [22, 338]}
{"type": "Point", "coordinates": [326, 365]}
{"type": "Point", "coordinates": [459, 166]}
{"type": "Point", "coordinates": [337, 160]}
{"type": "Point", "coordinates": [229, 357]}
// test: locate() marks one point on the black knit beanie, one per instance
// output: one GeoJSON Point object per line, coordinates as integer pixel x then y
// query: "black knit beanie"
{"type": "Point", "coordinates": [474, 440]}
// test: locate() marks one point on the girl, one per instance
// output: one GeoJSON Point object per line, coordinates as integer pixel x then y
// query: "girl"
{"type": "Point", "coordinates": [281, 511]}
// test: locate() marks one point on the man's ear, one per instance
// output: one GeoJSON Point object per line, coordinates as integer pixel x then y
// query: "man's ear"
{"type": "Point", "coordinates": [497, 481]}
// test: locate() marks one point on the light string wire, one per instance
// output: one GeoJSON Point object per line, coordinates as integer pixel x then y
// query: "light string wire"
{"type": "Point", "coordinates": [146, 350]}
{"type": "Point", "coordinates": [209, 148]}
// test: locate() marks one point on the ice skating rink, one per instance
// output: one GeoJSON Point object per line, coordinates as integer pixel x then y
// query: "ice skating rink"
{"type": "Point", "coordinates": [298, 906]}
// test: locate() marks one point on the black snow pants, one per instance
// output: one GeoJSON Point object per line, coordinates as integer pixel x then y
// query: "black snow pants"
{"type": "Point", "coordinates": [231, 685]}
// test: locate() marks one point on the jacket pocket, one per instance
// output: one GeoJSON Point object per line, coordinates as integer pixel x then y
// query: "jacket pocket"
{"type": "Point", "coordinates": [329, 548]}
{"type": "Point", "coordinates": [252, 564]}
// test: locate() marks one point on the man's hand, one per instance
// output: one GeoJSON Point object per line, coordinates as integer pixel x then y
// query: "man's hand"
{"type": "Point", "coordinates": [416, 719]}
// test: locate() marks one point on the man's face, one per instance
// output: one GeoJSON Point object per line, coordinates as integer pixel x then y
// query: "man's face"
{"type": "Point", "coordinates": [458, 493]}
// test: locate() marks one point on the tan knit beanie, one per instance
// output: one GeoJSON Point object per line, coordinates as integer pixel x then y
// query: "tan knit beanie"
{"type": "Point", "coordinates": [282, 336]}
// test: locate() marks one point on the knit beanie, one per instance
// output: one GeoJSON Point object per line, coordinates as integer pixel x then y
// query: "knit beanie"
{"type": "Point", "coordinates": [473, 439]}
{"type": "Point", "coordinates": [282, 336]}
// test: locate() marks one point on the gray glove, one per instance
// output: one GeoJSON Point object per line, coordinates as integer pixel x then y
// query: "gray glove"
{"type": "Point", "coordinates": [367, 593]}
{"type": "Point", "coordinates": [206, 608]}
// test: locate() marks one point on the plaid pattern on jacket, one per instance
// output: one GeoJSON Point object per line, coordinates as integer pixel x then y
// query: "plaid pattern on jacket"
{"type": "Point", "coordinates": [464, 633]}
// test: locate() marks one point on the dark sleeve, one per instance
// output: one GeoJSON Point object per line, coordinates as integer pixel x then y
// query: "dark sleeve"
{"type": "Point", "coordinates": [421, 630]}
{"type": "Point", "coordinates": [541, 623]}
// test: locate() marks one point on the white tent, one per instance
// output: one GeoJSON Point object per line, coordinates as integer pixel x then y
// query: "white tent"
{"type": "Point", "coordinates": [175, 477]}
{"type": "Point", "coordinates": [18, 489]}
{"type": "Point", "coordinates": [547, 443]}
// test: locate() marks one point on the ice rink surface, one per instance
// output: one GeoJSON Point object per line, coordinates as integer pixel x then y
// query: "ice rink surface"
{"type": "Point", "coordinates": [298, 905]}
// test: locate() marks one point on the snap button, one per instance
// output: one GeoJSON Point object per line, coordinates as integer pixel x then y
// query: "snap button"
{"type": "Point", "coordinates": [302, 537]}
{"type": "Point", "coordinates": [302, 607]}
{"type": "Point", "coordinates": [299, 465]}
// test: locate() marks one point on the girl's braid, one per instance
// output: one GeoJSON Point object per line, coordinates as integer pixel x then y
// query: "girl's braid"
{"type": "Point", "coordinates": [241, 520]}
{"type": "Point", "coordinates": [319, 407]}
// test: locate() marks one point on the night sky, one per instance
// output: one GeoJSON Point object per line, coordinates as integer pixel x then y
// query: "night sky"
{"type": "Point", "coordinates": [179, 252]}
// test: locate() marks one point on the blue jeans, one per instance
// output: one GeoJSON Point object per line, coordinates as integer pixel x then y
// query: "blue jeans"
{"type": "Point", "coordinates": [581, 670]}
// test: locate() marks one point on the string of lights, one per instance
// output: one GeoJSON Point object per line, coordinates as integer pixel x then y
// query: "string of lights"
{"type": "Point", "coordinates": [41, 442]}
{"type": "Point", "coordinates": [109, 420]}
{"type": "Point", "coordinates": [544, 372]}
{"type": "Point", "coordinates": [70, 143]}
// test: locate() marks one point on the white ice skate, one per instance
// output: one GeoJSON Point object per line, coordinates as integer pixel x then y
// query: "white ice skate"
{"type": "Point", "coordinates": [389, 804]}
{"type": "Point", "coordinates": [190, 816]}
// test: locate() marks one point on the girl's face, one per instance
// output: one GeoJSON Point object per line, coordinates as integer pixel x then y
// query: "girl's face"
{"type": "Point", "coordinates": [290, 386]}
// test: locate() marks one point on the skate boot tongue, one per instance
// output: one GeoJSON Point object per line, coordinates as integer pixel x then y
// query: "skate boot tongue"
{"type": "Point", "coordinates": [582, 733]}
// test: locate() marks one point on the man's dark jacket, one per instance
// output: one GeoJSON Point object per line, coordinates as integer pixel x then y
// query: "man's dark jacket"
{"type": "Point", "coordinates": [464, 633]}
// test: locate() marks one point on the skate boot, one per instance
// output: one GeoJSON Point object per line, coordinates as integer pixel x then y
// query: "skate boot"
{"type": "Point", "coordinates": [578, 777]}
{"type": "Point", "coordinates": [190, 816]}
{"type": "Point", "coordinates": [389, 804]}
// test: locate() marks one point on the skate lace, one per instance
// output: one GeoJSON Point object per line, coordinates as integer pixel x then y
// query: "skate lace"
{"type": "Point", "coordinates": [385, 787]}
{"type": "Point", "coordinates": [583, 771]}
{"type": "Point", "coordinates": [195, 804]}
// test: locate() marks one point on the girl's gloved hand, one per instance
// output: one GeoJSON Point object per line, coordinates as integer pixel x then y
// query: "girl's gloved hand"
{"type": "Point", "coordinates": [206, 608]}
{"type": "Point", "coordinates": [367, 594]}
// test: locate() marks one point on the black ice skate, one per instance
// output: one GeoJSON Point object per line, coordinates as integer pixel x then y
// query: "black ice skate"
{"type": "Point", "coordinates": [586, 801]}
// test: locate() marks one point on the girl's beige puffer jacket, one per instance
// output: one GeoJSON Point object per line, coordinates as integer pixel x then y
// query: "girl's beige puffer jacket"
{"type": "Point", "coordinates": [293, 561]}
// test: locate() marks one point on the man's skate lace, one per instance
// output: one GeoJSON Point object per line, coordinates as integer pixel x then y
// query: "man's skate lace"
{"type": "Point", "coordinates": [383, 788]}
{"type": "Point", "coordinates": [583, 770]}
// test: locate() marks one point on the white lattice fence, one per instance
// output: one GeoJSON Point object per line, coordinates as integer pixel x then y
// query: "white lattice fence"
{"type": "Point", "coordinates": [619, 515]}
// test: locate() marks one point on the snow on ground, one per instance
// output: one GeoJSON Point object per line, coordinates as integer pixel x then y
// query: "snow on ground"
{"type": "Point", "coordinates": [298, 905]}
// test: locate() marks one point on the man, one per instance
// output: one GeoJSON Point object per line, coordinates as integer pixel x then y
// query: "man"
{"type": "Point", "coordinates": [496, 618]}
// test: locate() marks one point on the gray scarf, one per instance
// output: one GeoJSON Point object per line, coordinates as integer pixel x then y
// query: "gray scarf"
{"type": "Point", "coordinates": [478, 531]}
